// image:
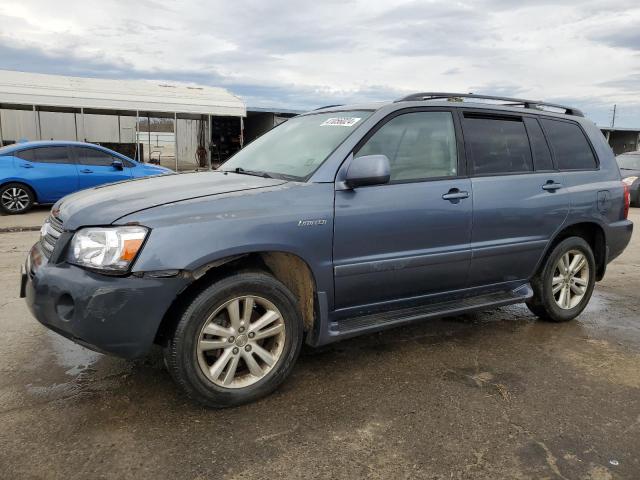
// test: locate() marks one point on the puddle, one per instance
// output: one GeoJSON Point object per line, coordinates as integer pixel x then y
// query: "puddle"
{"type": "Point", "coordinates": [72, 357]}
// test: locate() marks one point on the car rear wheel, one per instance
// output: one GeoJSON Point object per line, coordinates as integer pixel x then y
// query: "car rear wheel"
{"type": "Point", "coordinates": [236, 341]}
{"type": "Point", "coordinates": [563, 288]}
{"type": "Point", "coordinates": [15, 198]}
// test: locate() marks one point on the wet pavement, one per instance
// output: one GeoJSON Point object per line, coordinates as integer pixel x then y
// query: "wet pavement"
{"type": "Point", "coordinates": [494, 395]}
{"type": "Point", "coordinates": [32, 220]}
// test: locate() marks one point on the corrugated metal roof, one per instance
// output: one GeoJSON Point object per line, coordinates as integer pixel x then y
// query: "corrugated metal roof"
{"type": "Point", "coordinates": [618, 129]}
{"type": "Point", "coordinates": [288, 111]}
{"type": "Point", "coordinates": [143, 95]}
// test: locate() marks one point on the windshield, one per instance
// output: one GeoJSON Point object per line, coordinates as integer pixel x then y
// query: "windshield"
{"type": "Point", "coordinates": [629, 161]}
{"type": "Point", "coordinates": [296, 148]}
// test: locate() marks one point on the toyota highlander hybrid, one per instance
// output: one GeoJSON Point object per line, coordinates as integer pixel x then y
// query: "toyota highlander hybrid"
{"type": "Point", "coordinates": [339, 222]}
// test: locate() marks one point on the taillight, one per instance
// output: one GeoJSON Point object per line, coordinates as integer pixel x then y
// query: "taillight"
{"type": "Point", "coordinates": [627, 199]}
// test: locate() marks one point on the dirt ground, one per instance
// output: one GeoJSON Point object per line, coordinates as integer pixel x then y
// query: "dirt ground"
{"type": "Point", "coordinates": [494, 395]}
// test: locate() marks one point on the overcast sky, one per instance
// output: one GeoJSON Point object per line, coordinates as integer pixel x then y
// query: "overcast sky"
{"type": "Point", "coordinates": [304, 54]}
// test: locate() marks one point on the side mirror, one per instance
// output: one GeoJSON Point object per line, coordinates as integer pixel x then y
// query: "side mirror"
{"type": "Point", "coordinates": [117, 164]}
{"type": "Point", "coordinates": [368, 170]}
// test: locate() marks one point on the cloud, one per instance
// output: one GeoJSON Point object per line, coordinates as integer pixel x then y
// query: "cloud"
{"type": "Point", "coordinates": [309, 53]}
{"type": "Point", "coordinates": [625, 38]}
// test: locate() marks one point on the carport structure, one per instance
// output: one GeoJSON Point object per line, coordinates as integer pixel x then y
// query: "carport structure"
{"type": "Point", "coordinates": [194, 122]}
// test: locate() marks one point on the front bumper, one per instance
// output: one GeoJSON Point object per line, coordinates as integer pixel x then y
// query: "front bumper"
{"type": "Point", "coordinates": [114, 315]}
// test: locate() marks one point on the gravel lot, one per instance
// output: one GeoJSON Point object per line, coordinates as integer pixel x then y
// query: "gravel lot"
{"type": "Point", "coordinates": [488, 395]}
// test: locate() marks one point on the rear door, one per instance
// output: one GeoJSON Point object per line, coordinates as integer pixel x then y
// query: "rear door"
{"type": "Point", "coordinates": [51, 171]}
{"type": "Point", "coordinates": [519, 197]}
{"type": "Point", "coordinates": [95, 167]}
{"type": "Point", "coordinates": [410, 237]}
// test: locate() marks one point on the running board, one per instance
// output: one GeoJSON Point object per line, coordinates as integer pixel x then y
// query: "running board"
{"type": "Point", "coordinates": [378, 321]}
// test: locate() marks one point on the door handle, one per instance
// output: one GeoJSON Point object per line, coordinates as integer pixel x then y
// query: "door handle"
{"type": "Point", "coordinates": [86, 170]}
{"type": "Point", "coordinates": [551, 186]}
{"type": "Point", "coordinates": [455, 194]}
{"type": "Point", "coordinates": [26, 165]}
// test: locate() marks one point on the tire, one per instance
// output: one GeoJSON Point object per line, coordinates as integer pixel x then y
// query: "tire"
{"type": "Point", "coordinates": [193, 369]}
{"type": "Point", "coordinates": [545, 303]}
{"type": "Point", "coordinates": [16, 198]}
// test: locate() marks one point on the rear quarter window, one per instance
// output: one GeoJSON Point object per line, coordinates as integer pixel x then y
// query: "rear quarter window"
{"type": "Point", "coordinates": [570, 146]}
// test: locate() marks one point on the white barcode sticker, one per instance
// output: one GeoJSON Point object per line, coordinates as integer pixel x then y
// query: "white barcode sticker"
{"type": "Point", "coordinates": [340, 122]}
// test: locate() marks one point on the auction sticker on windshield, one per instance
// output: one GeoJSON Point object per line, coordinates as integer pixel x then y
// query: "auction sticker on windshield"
{"type": "Point", "coordinates": [340, 122]}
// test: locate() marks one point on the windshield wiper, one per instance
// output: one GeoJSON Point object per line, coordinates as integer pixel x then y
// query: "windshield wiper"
{"type": "Point", "coordinates": [256, 173]}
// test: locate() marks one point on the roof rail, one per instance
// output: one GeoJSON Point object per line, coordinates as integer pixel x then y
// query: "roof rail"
{"type": "Point", "coordinates": [329, 106]}
{"type": "Point", "coordinates": [514, 102]}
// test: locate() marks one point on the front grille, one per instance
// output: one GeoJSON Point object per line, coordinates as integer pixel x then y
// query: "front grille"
{"type": "Point", "coordinates": [51, 231]}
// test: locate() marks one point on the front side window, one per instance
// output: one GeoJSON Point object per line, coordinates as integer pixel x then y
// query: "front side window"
{"type": "Point", "coordinates": [497, 145]}
{"type": "Point", "coordinates": [297, 147]}
{"type": "Point", "coordinates": [46, 155]}
{"type": "Point", "coordinates": [91, 156]}
{"type": "Point", "coordinates": [570, 146]}
{"type": "Point", "coordinates": [419, 145]}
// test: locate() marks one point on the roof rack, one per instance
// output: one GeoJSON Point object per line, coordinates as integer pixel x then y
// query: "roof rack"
{"type": "Point", "coordinates": [512, 102]}
{"type": "Point", "coordinates": [329, 106]}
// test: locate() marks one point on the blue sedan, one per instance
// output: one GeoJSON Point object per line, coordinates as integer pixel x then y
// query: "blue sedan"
{"type": "Point", "coordinates": [46, 171]}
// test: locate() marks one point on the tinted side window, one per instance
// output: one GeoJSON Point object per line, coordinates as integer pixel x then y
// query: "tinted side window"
{"type": "Point", "coordinates": [90, 156]}
{"type": "Point", "coordinates": [497, 145]}
{"type": "Point", "coordinates": [418, 145]}
{"type": "Point", "coordinates": [569, 145]}
{"type": "Point", "coordinates": [46, 155]}
{"type": "Point", "coordinates": [541, 153]}
{"type": "Point", "coordinates": [27, 155]}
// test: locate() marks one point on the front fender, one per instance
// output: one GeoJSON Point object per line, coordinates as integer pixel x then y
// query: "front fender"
{"type": "Point", "coordinates": [295, 218]}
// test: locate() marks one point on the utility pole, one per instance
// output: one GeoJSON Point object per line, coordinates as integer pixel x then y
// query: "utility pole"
{"type": "Point", "coordinates": [613, 119]}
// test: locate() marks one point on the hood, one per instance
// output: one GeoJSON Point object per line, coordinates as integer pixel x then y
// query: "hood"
{"type": "Point", "coordinates": [154, 168]}
{"type": "Point", "coordinates": [105, 204]}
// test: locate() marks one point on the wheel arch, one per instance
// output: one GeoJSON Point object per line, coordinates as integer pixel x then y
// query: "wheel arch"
{"type": "Point", "coordinates": [593, 233]}
{"type": "Point", "coordinates": [289, 268]}
{"type": "Point", "coordinates": [21, 181]}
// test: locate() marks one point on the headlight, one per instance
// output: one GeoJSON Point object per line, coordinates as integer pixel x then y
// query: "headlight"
{"type": "Point", "coordinates": [112, 248]}
{"type": "Point", "coordinates": [629, 181]}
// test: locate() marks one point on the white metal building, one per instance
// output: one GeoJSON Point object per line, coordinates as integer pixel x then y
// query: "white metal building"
{"type": "Point", "coordinates": [207, 121]}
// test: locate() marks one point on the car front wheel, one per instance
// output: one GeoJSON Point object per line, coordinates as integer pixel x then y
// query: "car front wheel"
{"type": "Point", "coordinates": [236, 341]}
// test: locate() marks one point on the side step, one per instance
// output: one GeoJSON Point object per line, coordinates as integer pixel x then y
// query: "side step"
{"type": "Point", "coordinates": [378, 321]}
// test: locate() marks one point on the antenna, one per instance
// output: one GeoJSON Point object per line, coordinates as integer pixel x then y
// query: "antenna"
{"type": "Point", "coordinates": [613, 118]}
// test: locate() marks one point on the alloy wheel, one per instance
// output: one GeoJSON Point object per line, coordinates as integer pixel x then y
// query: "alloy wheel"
{"type": "Point", "coordinates": [15, 199]}
{"type": "Point", "coordinates": [241, 342]}
{"type": "Point", "coordinates": [570, 279]}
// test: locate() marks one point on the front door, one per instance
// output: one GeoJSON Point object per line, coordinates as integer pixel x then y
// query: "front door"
{"type": "Point", "coordinates": [408, 238]}
{"type": "Point", "coordinates": [95, 167]}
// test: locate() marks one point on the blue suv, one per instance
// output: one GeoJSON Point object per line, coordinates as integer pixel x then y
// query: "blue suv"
{"type": "Point", "coordinates": [339, 222]}
{"type": "Point", "coordinates": [46, 171]}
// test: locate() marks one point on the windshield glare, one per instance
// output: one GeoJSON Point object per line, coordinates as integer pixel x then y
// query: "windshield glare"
{"type": "Point", "coordinates": [629, 161]}
{"type": "Point", "coordinates": [296, 148]}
